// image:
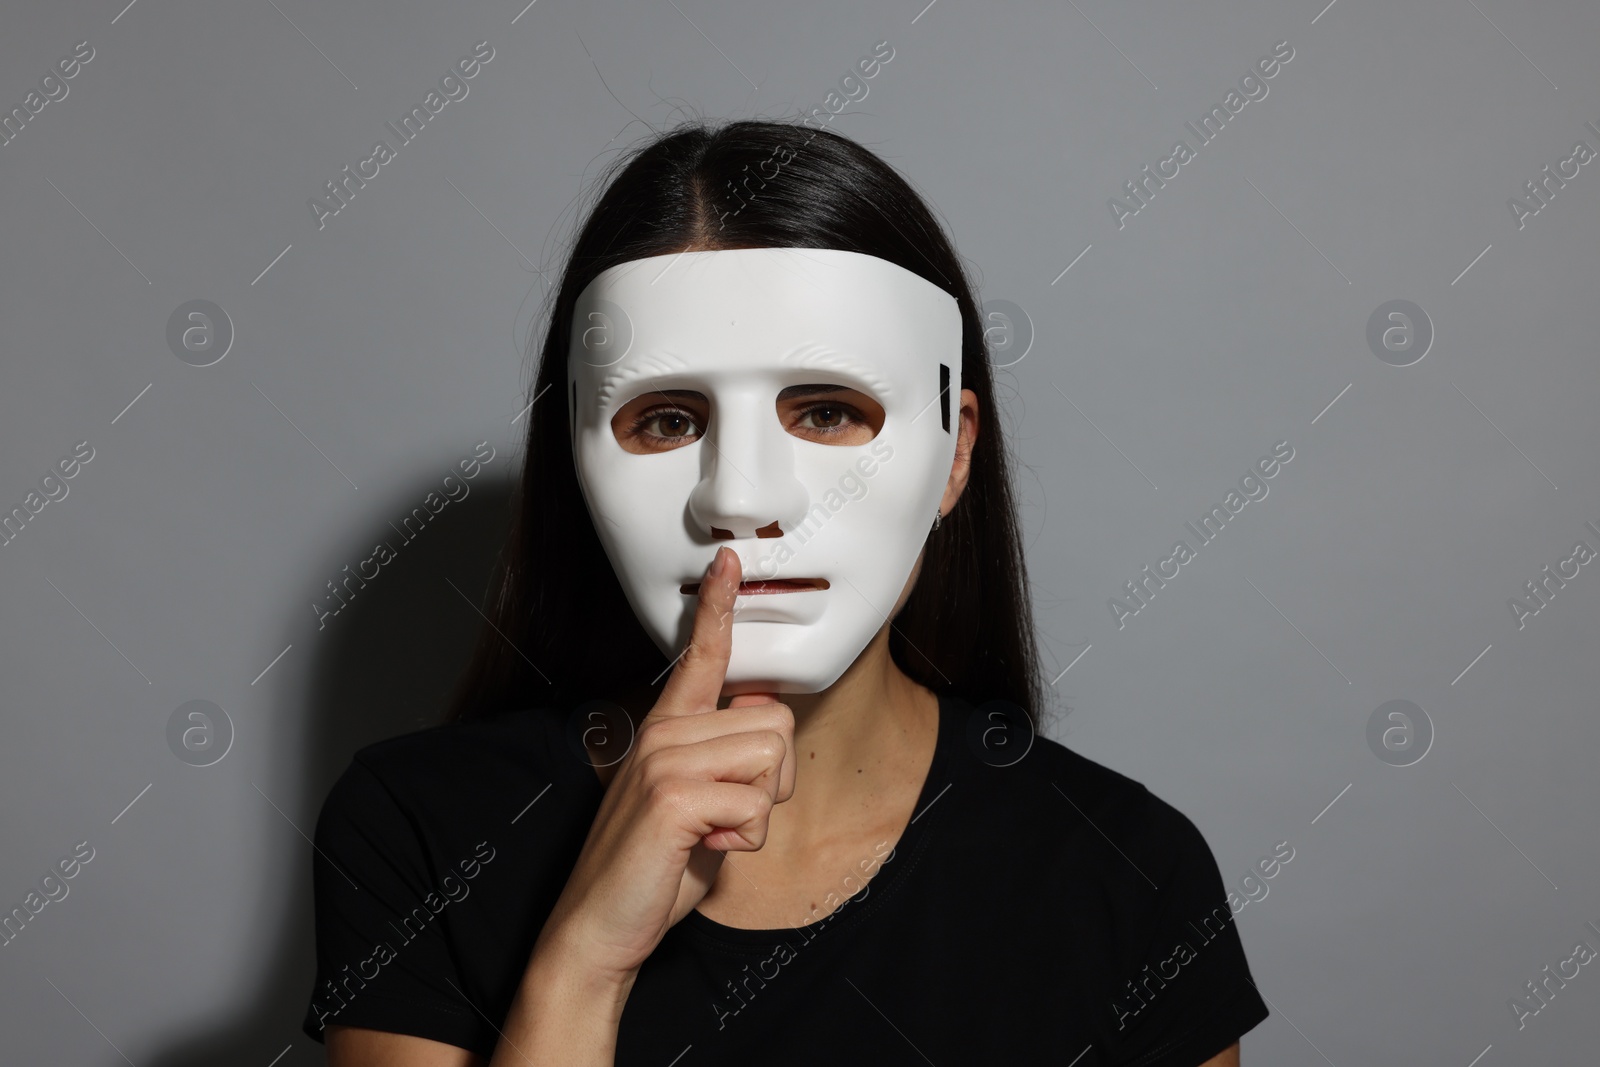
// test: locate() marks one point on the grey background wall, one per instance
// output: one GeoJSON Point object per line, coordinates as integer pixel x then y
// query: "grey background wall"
{"type": "Point", "coordinates": [1441, 859]}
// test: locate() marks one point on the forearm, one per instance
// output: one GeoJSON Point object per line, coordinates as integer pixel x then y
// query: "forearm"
{"type": "Point", "coordinates": [565, 1013]}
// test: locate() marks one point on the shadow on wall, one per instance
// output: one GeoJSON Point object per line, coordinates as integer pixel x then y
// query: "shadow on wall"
{"type": "Point", "coordinates": [381, 668]}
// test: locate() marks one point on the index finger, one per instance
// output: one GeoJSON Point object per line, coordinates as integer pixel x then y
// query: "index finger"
{"type": "Point", "coordinates": [696, 681]}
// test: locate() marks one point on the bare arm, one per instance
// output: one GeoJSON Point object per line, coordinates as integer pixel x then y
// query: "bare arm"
{"type": "Point", "coordinates": [356, 1046]}
{"type": "Point", "coordinates": [563, 1013]}
{"type": "Point", "coordinates": [1228, 1057]}
{"type": "Point", "coordinates": [559, 1016]}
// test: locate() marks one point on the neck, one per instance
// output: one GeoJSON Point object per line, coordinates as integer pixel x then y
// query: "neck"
{"type": "Point", "coordinates": [857, 740]}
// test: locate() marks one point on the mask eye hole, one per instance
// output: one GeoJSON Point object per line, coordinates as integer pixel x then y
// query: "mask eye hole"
{"type": "Point", "coordinates": [829, 414]}
{"type": "Point", "coordinates": [661, 421]}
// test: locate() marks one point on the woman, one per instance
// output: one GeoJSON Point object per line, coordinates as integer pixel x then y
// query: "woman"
{"type": "Point", "coordinates": [769, 472]}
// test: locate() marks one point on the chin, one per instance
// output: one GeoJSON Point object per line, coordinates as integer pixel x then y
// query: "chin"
{"type": "Point", "coordinates": [781, 677]}
{"type": "Point", "coordinates": [773, 657]}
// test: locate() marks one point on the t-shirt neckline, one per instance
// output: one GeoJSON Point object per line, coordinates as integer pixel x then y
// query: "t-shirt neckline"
{"type": "Point", "coordinates": [889, 875]}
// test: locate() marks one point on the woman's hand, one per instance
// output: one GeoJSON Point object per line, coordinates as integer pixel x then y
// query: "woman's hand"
{"type": "Point", "coordinates": [699, 781]}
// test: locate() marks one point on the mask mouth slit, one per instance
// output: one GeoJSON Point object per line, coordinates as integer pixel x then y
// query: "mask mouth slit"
{"type": "Point", "coordinates": [765, 586]}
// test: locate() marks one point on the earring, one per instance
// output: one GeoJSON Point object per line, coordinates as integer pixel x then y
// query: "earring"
{"type": "Point", "coordinates": [937, 518]}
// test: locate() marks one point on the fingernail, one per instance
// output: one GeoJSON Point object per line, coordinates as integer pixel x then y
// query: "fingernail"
{"type": "Point", "coordinates": [719, 564]}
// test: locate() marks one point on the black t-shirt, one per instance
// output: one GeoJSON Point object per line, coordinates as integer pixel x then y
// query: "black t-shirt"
{"type": "Point", "coordinates": [1049, 911]}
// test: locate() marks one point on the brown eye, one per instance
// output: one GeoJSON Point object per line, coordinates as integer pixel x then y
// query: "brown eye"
{"type": "Point", "coordinates": [661, 428]}
{"type": "Point", "coordinates": [672, 424]}
{"type": "Point", "coordinates": [661, 421]}
{"type": "Point", "coordinates": [829, 414]}
{"type": "Point", "coordinates": [829, 417]}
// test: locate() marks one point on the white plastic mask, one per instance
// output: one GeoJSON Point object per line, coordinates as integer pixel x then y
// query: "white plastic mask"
{"type": "Point", "coordinates": [739, 326]}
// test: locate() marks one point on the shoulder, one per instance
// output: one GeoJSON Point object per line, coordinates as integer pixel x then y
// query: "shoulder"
{"type": "Point", "coordinates": [1105, 885]}
{"type": "Point", "coordinates": [1077, 824]}
{"type": "Point", "coordinates": [444, 771]}
{"type": "Point", "coordinates": [403, 836]}
{"type": "Point", "coordinates": [1095, 791]}
{"type": "Point", "coordinates": [450, 751]}
{"type": "Point", "coordinates": [1143, 840]}
{"type": "Point", "coordinates": [1059, 787]}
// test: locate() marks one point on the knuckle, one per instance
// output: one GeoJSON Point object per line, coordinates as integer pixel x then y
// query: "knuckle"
{"type": "Point", "coordinates": [651, 771]}
{"type": "Point", "coordinates": [652, 736]}
{"type": "Point", "coordinates": [696, 654]}
{"type": "Point", "coordinates": [667, 798]}
{"type": "Point", "coordinates": [772, 745]}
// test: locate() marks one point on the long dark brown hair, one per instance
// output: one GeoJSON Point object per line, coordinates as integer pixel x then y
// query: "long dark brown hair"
{"type": "Point", "coordinates": [560, 630]}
